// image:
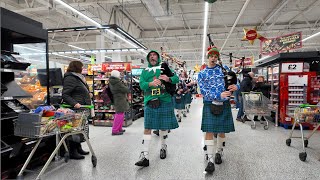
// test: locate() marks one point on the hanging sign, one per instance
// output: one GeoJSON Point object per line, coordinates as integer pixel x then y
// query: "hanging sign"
{"type": "Point", "coordinates": [120, 66]}
{"type": "Point", "coordinates": [292, 67]}
{"type": "Point", "coordinates": [96, 67]}
{"type": "Point", "coordinates": [248, 62]}
{"type": "Point", "coordinates": [281, 44]}
{"type": "Point", "coordinates": [251, 35]}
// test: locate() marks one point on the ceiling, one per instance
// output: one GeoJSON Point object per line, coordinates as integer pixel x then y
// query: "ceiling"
{"type": "Point", "coordinates": [175, 25]}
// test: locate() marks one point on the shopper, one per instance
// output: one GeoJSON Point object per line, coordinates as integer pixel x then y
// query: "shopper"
{"type": "Point", "coordinates": [246, 85]}
{"type": "Point", "coordinates": [159, 110]}
{"type": "Point", "coordinates": [216, 114]}
{"type": "Point", "coordinates": [261, 86]}
{"type": "Point", "coordinates": [76, 93]}
{"type": "Point", "coordinates": [188, 95]}
{"type": "Point", "coordinates": [179, 99]}
{"type": "Point", "coordinates": [120, 100]}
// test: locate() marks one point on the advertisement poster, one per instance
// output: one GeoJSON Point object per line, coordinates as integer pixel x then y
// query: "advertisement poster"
{"type": "Point", "coordinates": [120, 66]}
{"type": "Point", "coordinates": [281, 44]}
{"type": "Point", "coordinates": [248, 62]}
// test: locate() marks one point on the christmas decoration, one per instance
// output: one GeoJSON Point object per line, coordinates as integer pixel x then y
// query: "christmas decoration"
{"type": "Point", "coordinates": [251, 34]}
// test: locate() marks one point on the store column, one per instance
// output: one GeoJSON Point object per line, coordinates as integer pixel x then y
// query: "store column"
{"type": "Point", "coordinates": [100, 44]}
{"type": "Point", "coordinates": [116, 55]}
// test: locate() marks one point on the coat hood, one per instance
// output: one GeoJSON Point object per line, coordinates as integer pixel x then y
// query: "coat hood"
{"type": "Point", "coordinates": [159, 59]}
{"type": "Point", "coordinates": [114, 80]}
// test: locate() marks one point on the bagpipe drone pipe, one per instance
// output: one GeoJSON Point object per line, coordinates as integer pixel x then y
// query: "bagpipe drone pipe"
{"type": "Point", "coordinates": [230, 77]}
{"type": "Point", "coordinates": [165, 70]}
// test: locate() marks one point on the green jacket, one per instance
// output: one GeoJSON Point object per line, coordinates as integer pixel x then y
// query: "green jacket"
{"type": "Point", "coordinates": [148, 76]}
{"type": "Point", "coordinates": [119, 92]}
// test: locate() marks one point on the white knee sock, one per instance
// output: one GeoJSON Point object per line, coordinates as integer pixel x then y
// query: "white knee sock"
{"type": "Point", "coordinates": [163, 137]}
{"type": "Point", "coordinates": [209, 144]}
{"type": "Point", "coordinates": [219, 143]}
{"type": "Point", "coordinates": [214, 141]}
{"type": "Point", "coordinates": [146, 144]}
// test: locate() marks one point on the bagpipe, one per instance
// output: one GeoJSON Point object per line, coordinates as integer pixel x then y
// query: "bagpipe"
{"type": "Point", "coordinates": [230, 77]}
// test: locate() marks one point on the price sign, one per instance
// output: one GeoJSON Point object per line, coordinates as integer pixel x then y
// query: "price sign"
{"type": "Point", "coordinates": [292, 67]}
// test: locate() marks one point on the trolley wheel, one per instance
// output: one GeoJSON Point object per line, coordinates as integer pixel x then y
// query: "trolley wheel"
{"type": "Point", "coordinates": [288, 142]}
{"type": "Point", "coordinates": [303, 156]}
{"type": "Point", "coordinates": [253, 126]}
{"type": "Point", "coordinates": [94, 161]}
{"type": "Point", "coordinates": [266, 127]}
{"type": "Point", "coordinates": [224, 144]}
{"type": "Point", "coordinates": [20, 177]}
{"type": "Point", "coordinates": [306, 143]}
{"type": "Point", "coordinates": [66, 157]}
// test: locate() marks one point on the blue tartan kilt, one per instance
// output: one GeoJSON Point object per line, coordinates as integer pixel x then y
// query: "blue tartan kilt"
{"type": "Point", "coordinates": [180, 105]}
{"type": "Point", "coordinates": [188, 98]}
{"type": "Point", "coordinates": [222, 123]}
{"type": "Point", "coordinates": [161, 118]}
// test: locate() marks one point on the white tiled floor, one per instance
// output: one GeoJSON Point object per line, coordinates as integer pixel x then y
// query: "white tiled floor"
{"type": "Point", "coordinates": [249, 154]}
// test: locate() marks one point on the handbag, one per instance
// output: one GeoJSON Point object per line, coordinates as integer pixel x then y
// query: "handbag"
{"type": "Point", "coordinates": [154, 103]}
{"type": "Point", "coordinates": [216, 108]}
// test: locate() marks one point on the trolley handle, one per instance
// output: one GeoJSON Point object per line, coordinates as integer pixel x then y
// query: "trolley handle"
{"type": "Point", "coordinates": [308, 105]}
{"type": "Point", "coordinates": [82, 106]}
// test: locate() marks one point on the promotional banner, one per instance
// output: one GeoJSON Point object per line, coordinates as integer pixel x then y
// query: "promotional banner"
{"type": "Point", "coordinates": [281, 44]}
{"type": "Point", "coordinates": [248, 62]}
{"type": "Point", "coordinates": [120, 66]}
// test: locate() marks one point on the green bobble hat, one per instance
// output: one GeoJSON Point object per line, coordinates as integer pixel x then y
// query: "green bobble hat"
{"type": "Point", "coordinates": [213, 50]}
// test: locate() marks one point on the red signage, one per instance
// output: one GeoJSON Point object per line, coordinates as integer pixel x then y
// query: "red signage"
{"type": "Point", "coordinates": [248, 62]}
{"type": "Point", "coordinates": [281, 44]}
{"type": "Point", "coordinates": [251, 35]}
{"type": "Point", "coordinates": [120, 66]}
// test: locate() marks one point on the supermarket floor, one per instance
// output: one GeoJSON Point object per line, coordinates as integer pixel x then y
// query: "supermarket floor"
{"type": "Point", "coordinates": [249, 154]}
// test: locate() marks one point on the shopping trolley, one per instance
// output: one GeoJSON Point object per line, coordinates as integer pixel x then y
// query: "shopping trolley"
{"type": "Point", "coordinates": [305, 114]}
{"type": "Point", "coordinates": [255, 103]}
{"type": "Point", "coordinates": [30, 125]}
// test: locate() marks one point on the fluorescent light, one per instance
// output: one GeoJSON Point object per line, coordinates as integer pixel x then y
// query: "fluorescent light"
{"type": "Point", "coordinates": [103, 50]}
{"type": "Point", "coordinates": [81, 51]}
{"type": "Point", "coordinates": [67, 52]}
{"type": "Point", "coordinates": [88, 51]}
{"type": "Point", "coordinates": [74, 52]}
{"type": "Point", "coordinates": [50, 31]}
{"type": "Point", "coordinates": [68, 30]}
{"type": "Point", "coordinates": [95, 51]}
{"type": "Point", "coordinates": [59, 30]}
{"type": "Point", "coordinates": [124, 50]}
{"type": "Point", "coordinates": [81, 29]}
{"type": "Point", "coordinates": [93, 28]}
{"type": "Point", "coordinates": [76, 47]}
{"type": "Point", "coordinates": [117, 50]}
{"type": "Point", "coordinates": [310, 37]}
{"type": "Point", "coordinates": [205, 24]}
{"type": "Point", "coordinates": [121, 38]}
{"type": "Point", "coordinates": [78, 12]}
{"type": "Point", "coordinates": [68, 57]}
{"type": "Point", "coordinates": [133, 50]}
{"type": "Point", "coordinates": [60, 52]}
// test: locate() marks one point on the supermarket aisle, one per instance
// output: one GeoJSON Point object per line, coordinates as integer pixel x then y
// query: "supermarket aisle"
{"type": "Point", "coordinates": [250, 154]}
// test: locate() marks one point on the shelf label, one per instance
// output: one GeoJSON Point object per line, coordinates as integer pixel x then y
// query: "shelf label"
{"type": "Point", "coordinates": [292, 67]}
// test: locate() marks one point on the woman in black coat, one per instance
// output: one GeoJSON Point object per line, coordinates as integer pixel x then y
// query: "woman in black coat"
{"type": "Point", "coordinates": [76, 93]}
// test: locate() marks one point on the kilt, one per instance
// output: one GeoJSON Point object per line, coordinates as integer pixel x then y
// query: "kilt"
{"type": "Point", "coordinates": [188, 98]}
{"type": "Point", "coordinates": [222, 123]}
{"type": "Point", "coordinates": [180, 105]}
{"type": "Point", "coordinates": [161, 118]}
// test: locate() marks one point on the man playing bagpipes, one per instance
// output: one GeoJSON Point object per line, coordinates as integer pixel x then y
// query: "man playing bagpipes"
{"type": "Point", "coordinates": [216, 114]}
{"type": "Point", "coordinates": [159, 110]}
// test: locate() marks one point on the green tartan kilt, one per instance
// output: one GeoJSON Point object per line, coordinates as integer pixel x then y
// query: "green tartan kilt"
{"type": "Point", "coordinates": [161, 118]}
{"type": "Point", "coordinates": [188, 98]}
{"type": "Point", "coordinates": [180, 105]}
{"type": "Point", "coordinates": [222, 123]}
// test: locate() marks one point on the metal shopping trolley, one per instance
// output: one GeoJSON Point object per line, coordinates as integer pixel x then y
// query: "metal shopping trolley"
{"type": "Point", "coordinates": [305, 114]}
{"type": "Point", "coordinates": [255, 103]}
{"type": "Point", "coordinates": [31, 126]}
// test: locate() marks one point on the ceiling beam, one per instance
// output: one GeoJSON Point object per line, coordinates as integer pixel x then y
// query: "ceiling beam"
{"type": "Point", "coordinates": [310, 7]}
{"type": "Point", "coordinates": [274, 12]}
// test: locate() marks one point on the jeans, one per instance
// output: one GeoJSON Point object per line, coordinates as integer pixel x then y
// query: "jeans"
{"type": "Point", "coordinates": [240, 112]}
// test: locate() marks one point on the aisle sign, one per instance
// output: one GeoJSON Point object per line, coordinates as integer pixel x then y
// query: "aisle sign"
{"type": "Point", "coordinates": [292, 67]}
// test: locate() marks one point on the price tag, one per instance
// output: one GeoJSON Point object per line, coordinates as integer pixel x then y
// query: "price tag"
{"type": "Point", "coordinates": [292, 67]}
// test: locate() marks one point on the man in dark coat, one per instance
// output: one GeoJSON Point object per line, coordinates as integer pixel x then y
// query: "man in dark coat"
{"type": "Point", "coordinates": [245, 86]}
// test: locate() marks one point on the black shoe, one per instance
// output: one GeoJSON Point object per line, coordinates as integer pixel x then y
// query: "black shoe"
{"type": "Point", "coordinates": [179, 119]}
{"type": "Point", "coordinates": [163, 152]}
{"type": "Point", "coordinates": [205, 147]}
{"type": "Point", "coordinates": [73, 151]}
{"type": "Point", "coordinates": [81, 151]}
{"type": "Point", "coordinates": [210, 167]}
{"type": "Point", "coordinates": [224, 144]}
{"type": "Point", "coordinates": [218, 159]}
{"type": "Point", "coordinates": [143, 162]}
{"type": "Point", "coordinates": [123, 130]}
{"type": "Point", "coordinates": [184, 115]}
{"type": "Point", "coordinates": [156, 133]}
{"type": "Point", "coordinates": [117, 134]}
